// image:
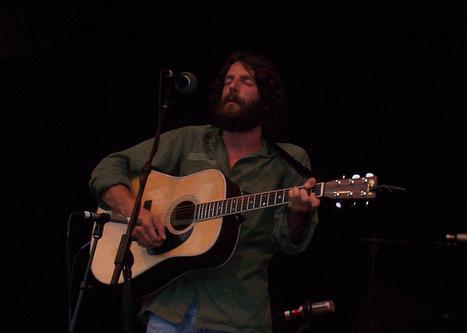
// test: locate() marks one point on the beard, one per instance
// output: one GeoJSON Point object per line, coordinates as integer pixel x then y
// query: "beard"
{"type": "Point", "coordinates": [233, 114]}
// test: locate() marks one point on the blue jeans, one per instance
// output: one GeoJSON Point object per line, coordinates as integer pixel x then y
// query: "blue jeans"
{"type": "Point", "coordinates": [158, 325]}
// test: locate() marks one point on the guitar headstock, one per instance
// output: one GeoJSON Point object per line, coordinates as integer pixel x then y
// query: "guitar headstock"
{"type": "Point", "coordinates": [355, 188]}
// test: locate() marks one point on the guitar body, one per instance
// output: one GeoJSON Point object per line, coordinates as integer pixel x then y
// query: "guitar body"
{"type": "Point", "coordinates": [189, 246]}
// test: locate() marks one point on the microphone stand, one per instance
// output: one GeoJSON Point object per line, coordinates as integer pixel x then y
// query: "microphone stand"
{"type": "Point", "coordinates": [124, 257]}
{"type": "Point", "coordinates": [96, 235]}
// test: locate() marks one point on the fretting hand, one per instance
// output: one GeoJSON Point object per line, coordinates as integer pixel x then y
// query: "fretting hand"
{"type": "Point", "coordinates": [301, 200]}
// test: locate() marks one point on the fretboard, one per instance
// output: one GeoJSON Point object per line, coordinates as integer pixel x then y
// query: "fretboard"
{"type": "Point", "coordinates": [244, 203]}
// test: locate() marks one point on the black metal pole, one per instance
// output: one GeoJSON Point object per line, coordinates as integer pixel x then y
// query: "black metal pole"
{"type": "Point", "coordinates": [124, 258]}
{"type": "Point", "coordinates": [96, 235]}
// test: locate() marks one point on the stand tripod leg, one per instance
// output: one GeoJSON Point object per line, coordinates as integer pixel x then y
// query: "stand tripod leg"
{"type": "Point", "coordinates": [83, 284]}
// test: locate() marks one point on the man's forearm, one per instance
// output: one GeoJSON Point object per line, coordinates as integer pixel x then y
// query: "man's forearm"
{"type": "Point", "coordinates": [119, 198]}
{"type": "Point", "coordinates": [298, 222]}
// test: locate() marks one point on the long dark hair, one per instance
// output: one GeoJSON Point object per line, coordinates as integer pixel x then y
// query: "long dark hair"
{"type": "Point", "coordinates": [270, 86]}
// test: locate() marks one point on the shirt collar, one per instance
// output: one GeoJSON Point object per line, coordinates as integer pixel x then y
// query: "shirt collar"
{"type": "Point", "coordinates": [214, 136]}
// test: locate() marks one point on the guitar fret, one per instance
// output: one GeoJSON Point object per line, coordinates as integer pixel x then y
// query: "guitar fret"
{"type": "Point", "coordinates": [264, 199]}
{"type": "Point", "coordinates": [224, 207]}
{"type": "Point", "coordinates": [250, 201]}
{"type": "Point", "coordinates": [317, 189]}
{"type": "Point", "coordinates": [257, 200]}
{"type": "Point", "coordinates": [214, 210]}
{"type": "Point", "coordinates": [244, 203]}
{"type": "Point", "coordinates": [211, 209]}
{"type": "Point", "coordinates": [232, 205]}
{"type": "Point", "coordinates": [271, 198]}
{"type": "Point", "coordinates": [221, 207]}
{"type": "Point", "coordinates": [286, 196]}
{"type": "Point", "coordinates": [205, 210]}
{"type": "Point", "coordinates": [201, 206]}
{"type": "Point", "coordinates": [228, 206]}
{"type": "Point", "coordinates": [206, 213]}
{"type": "Point", "coordinates": [280, 197]}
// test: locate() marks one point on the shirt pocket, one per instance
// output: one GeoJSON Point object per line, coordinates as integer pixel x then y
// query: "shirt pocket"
{"type": "Point", "coordinates": [258, 222]}
{"type": "Point", "coordinates": [195, 162]}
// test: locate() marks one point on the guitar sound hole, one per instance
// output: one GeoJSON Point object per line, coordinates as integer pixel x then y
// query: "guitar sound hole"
{"type": "Point", "coordinates": [183, 215]}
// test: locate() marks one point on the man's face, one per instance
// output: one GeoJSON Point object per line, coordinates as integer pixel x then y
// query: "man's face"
{"type": "Point", "coordinates": [240, 84]}
{"type": "Point", "coordinates": [239, 108]}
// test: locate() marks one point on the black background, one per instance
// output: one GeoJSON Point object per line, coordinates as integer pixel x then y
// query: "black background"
{"type": "Point", "coordinates": [372, 87]}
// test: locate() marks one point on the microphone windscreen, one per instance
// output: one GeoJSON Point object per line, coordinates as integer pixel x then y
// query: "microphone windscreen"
{"type": "Point", "coordinates": [190, 83]}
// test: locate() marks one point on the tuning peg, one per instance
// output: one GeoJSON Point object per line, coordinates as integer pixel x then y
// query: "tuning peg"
{"type": "Point", "coordinates": [369, 174]}
{"type": "Point", "coordinates": [356, 176]}
{"type": "Point", "coordinates": [367, 204]}
{"type": "Point", "coordinates": [339, 204]}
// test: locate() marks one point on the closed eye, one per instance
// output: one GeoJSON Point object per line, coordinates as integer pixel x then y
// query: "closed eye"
{"type": "Point", "coordinates": [245, 79]}
{"type": "Point", "coordinates": [248, 80]}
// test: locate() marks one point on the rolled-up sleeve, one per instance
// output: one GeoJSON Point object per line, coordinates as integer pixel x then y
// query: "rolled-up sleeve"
{"type": "Point", "coordinates": [281, 230]}
{"type": "Point", "coordinates": [112, 170]}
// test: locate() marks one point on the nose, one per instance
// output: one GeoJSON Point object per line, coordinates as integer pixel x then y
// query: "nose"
{"type": "Point", "coordinates": [233, 90]}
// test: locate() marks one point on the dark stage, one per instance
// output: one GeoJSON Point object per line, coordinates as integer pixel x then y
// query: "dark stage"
{"type": "Point", "coordinates": [372, 87]}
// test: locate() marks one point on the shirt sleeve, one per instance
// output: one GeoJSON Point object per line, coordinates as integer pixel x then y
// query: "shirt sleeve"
{"type": "Point", "coordinates": [281, 231]}
{"type": "Point", "coordinates": [121, 167]}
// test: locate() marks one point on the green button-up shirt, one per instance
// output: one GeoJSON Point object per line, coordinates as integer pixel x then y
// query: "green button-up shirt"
{"type": "Point", "coordinates": [234, 297]}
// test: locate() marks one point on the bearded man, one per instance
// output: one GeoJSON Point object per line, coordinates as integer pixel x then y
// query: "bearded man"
{"type": "Point", "coordinates": [248, 98]}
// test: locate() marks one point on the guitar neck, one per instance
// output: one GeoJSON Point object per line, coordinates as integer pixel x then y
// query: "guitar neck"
{"type": "Point", "coordinates": [244, 203]}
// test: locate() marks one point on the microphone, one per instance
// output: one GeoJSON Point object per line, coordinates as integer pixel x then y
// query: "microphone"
{"type": "Point", "coordinates": [309, 310]}
{"type": "Point", "coordinates": [106, 217]}
{"type": "Point", "coordinates": [184, 82]}
{"type": "Point", "coordinates": [457, 237]}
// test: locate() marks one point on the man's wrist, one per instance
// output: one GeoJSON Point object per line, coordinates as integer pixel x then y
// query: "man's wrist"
{"type": "Point", "coordinates": [298, 222]}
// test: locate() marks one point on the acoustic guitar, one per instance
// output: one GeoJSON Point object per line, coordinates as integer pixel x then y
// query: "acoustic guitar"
{"type": "Point", "coordinates": [202, 217]}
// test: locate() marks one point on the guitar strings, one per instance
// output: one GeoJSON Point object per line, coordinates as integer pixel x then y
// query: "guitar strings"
{"type": "Point", "coordinates": [188, 209]}
{"type": "Point", "coordinates": [191, 209]}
